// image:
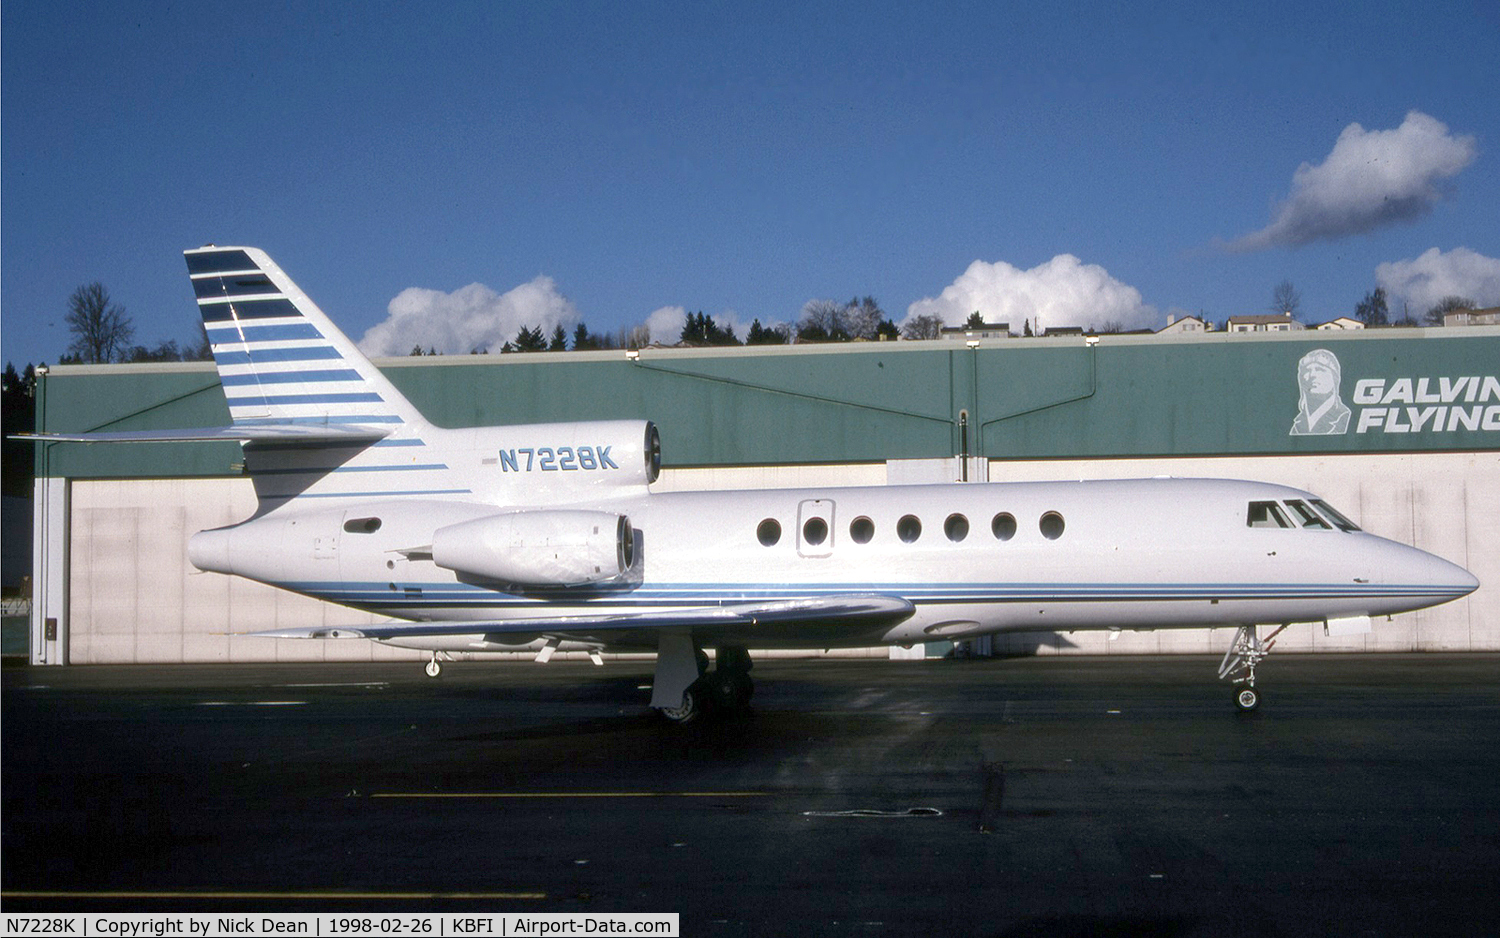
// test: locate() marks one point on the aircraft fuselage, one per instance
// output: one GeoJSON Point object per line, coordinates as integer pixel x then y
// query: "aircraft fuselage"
{"type": "Point", "coordinates": [972, 559]}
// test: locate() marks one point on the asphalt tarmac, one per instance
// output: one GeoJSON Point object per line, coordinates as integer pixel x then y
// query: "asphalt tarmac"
{"type": "Point", "coordinates": [1042, 796]}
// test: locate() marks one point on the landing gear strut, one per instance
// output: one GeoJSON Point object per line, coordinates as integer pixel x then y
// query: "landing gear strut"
{"type": "Point", "coordinates": [685, 690]}
{"type": "Point", "coordinates": [1238, 666]}
{"type": "Point", "coordinates": [729, 684]}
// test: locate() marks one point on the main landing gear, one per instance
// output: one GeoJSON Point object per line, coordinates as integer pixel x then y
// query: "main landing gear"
{"type": "Point", "coordinates": [686, 691]}
{"type": "Point", "coordinates": [1238, 666]}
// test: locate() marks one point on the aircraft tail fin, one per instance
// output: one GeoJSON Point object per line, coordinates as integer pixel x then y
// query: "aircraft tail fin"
{"type": "Point", "coordinates": [319, 419]}
{"type": "Point", "coordinates": [281, 360]}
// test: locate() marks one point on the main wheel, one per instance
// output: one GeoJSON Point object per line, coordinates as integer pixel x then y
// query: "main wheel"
{"type": "Point", "coordinates": [729, 690]}
{"type": "Point", "coordinates": [1246, 699]}
{"type": "Point", "coordinates": [432, 668]}
{"type": "Point", "coordinates": [693, 707]}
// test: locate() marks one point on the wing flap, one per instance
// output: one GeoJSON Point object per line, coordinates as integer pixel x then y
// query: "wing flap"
{"type": "Point", "coordinates": [850, 610]}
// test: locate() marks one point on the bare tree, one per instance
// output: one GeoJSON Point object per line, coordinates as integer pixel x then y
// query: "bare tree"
{"type": "Point", "coordinates": [862, 317]}
{"type": "Point", "coordinates": [101, 330]}
{"type": "Point", "coordinates": [1447, 304]}
{"type": "Point", "coordinates": [922, 327]}
{"type": "Point", "coordinates": [823, 321]}
{"type": "Point", "coordinates": [1285, 299]}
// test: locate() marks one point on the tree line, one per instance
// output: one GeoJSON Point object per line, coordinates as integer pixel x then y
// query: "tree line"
{"type": "Point", "coordinates": [102, 332]}
{"type": "Point", "coordinates": [1373, 309]}
{"type": "Point", "coordinates": [821, 321]}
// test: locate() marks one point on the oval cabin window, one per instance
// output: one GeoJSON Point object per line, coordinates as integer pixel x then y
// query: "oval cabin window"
{"type": "Point", "coordinates": [769, 532]}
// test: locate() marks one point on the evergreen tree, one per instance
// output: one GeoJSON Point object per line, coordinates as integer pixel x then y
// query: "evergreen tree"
{"type": "Point", "coordinates": [760, 335]}
{"type": "Point", "coordinates": [1372, 309]}
{"type": "Point", "coordinates": [530, 340]}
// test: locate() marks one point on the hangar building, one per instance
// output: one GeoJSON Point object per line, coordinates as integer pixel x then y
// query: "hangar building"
{"type": "Point", "coordinates": [1412, 452]}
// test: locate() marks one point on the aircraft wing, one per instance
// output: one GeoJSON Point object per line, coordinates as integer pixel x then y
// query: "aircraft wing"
{"type": "Point", "coordinates": [842, 612]}
{"type": "Point", "coordinates": [244, 433]}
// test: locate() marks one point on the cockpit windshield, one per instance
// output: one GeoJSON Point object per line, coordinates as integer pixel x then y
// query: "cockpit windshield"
{"type": "Point", "coordinates": [1304, 515]}
{"type": "Point", "coordinates": [1313, 514]}
{"type": "Point", "coordinates": [1266, 515]}
{"type": "Point", "coordinates": [1332, 514]}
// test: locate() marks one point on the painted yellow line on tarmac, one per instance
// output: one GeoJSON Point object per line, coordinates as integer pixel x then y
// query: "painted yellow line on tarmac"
{"type": "Point", "coordinates": [571, 794]}
{"type": "Point", "coordinates": [287, 896]}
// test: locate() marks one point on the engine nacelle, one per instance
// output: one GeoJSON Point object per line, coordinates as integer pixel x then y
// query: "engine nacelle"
{"type": "Point", "coordinates": [539, 548]}
{"type": "Point", "coordinates": [585, 453]}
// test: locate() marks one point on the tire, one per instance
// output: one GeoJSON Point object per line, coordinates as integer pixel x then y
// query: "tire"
{"type": "Point", "coordinates": [691, 711]}
{"type": "Point", "coordinates": [727, 689]}
{"type": "Point", "coordinates": [1246, 699]}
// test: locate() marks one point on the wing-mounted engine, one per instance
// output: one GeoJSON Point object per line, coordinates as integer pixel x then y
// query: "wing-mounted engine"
{"type": "Point", "coordinates": [539, 548]}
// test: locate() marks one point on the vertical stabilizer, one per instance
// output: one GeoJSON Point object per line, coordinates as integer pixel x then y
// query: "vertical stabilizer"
{"type": "Point", "coordinates": [281, 360]}
{"type": "Point", "coordinates": [284, 365]}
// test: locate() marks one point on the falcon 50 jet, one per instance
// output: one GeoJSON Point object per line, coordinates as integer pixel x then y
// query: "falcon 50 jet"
{"type": "Point", "coordinates": [548, 536]}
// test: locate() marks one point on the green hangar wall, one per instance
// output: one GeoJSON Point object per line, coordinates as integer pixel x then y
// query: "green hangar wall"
{"type": "Point", "coordinates": [1416, 457]}
{"type": "Point", "coordinates": [1412, 391]}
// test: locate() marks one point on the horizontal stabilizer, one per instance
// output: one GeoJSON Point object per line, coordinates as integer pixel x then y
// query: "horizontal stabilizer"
{"type": "Point", "coordinates": [246, 433]}
{"type": "Point", "coordinates": [854, 610]}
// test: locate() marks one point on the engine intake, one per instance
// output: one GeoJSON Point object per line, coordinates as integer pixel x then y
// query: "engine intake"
{"type": "Point", "coordinates": [539, 548]}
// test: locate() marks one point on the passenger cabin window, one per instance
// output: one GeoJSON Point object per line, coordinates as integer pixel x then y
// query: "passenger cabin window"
{"type": "Point", "coordinates": [1051, 525]}
{"type": "Point", "coordinates": [362, 525]}
{"type": "Point", "coordinates": [815, 531]}
{"type": "Point", "coordinates": [1266, 515]}
{"type": "Point", "coordinates": [769, 532]}
{"type": "Point", "coordinates": [956, 527]}
{"type": "Point", "coordinates": [1304, 514]}
{"type": "Point", "coordinates": [909, 528]}
{"type": "Point", "coordinates": [1004, 526]}
{"type": "Point", "coordinates": [861, 530]}
{"type": "Point", "coordinates": [1332, 514]}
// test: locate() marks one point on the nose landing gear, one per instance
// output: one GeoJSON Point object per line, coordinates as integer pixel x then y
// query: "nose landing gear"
{"type": "Point", "coordinates": [1238, 666]}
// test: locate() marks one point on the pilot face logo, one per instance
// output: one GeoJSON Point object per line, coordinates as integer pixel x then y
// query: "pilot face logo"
{"type": "Point", "coordinates": [1320, 410]}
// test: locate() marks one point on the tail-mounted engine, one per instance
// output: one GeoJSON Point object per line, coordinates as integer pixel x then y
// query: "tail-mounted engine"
{"type": "Point", "coordinates": [539, 548]}
{"type": "Point", "coordinates": [588, 453]}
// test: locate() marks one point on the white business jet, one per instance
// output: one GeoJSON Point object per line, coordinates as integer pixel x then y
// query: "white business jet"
{"type": "Point", "coordinates": [548, 536]}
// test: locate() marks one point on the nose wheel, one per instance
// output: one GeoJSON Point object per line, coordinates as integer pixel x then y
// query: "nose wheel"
{"type": "Point", "coordinates": [1245, 652]}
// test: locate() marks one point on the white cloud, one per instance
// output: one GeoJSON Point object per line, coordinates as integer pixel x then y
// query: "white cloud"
{"type": "Point", "coordinates": [1434, 276]}
{"type": "Point", "coordinates": [1062, 292]}
{"type": "Point", "coordinates": [1372, 178]}
{"type": "Point", "coordinates": [469, 318]}
{"type": "Point", "coordinates": [665, 324]}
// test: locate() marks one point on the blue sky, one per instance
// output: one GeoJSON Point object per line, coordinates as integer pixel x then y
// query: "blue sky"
{"type": "Point", "coordinates": [462, 168]}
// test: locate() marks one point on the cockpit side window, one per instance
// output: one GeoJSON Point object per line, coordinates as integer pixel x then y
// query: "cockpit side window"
{"type": "Point", "coordinates": [1266, 515]}
{"type": "Point", "coordinates": [1306, 516]}
{"type": "Point", "coordinates": [1332, 514]}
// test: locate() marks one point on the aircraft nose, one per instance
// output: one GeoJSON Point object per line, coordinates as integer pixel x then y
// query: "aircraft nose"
{"type": "Point", "coordinates": [1446, 580]}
